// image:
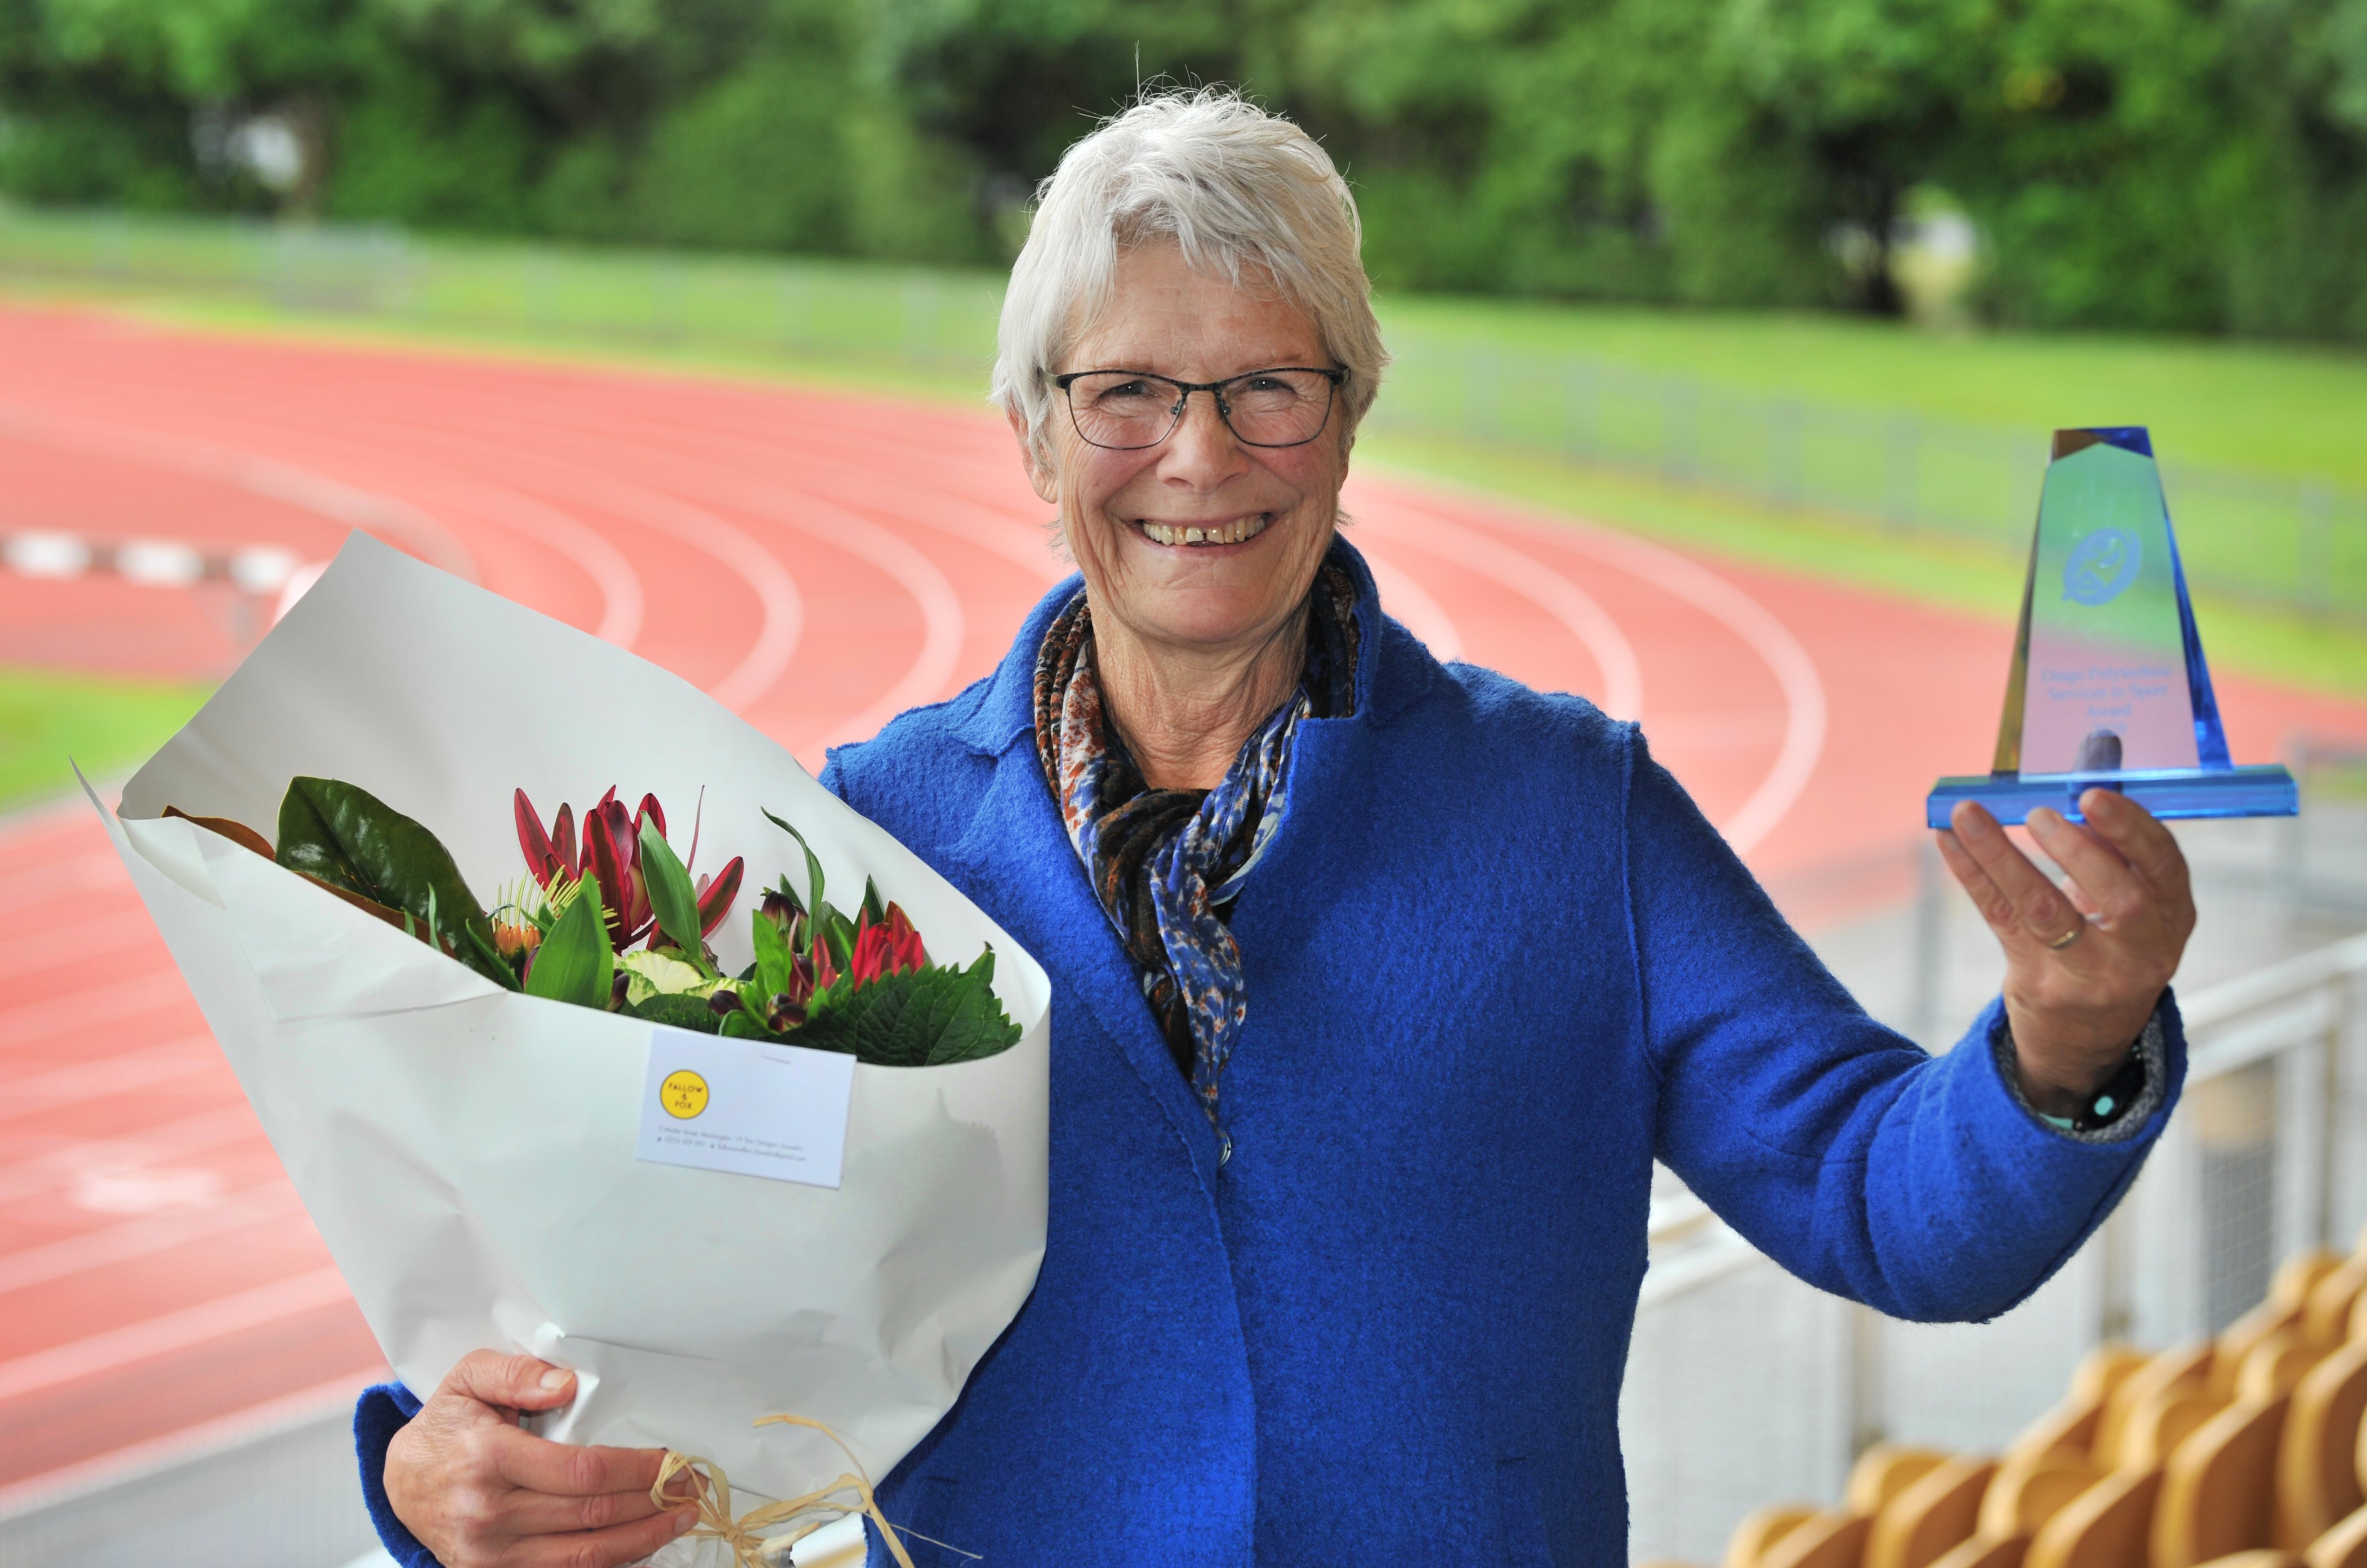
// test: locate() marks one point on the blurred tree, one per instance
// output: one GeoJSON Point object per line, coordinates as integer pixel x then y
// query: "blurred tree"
{"type": "Point", "coordinates": [2187, 163]}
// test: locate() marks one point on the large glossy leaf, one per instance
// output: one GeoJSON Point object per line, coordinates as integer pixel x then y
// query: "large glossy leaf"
{"type": "Point", "coordinates": [348, 837]}
{"type": "Point", "coordinates": [922, 1018]}
{"type": "Point", "coordinates": [574, 962]}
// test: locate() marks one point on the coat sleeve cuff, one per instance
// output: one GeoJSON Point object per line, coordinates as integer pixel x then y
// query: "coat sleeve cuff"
{"type": "Point", "coordinates": [382, 1412]}
{"type": "Point", "coordinates": [2152, 1052]}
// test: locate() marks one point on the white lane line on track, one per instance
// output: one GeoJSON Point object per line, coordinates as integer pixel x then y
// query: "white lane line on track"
{"type": "Point", "coordinates": [50, 1488]}
{"type": "Point", "coordinates": [622, 603]}
{"type": "Point", "coordinates": [1573, 606]}
{"type": "Point", "coordinates": [145, 1236]}
{"type": "Point", "coordinates": [119, 930]}
{"type": "Point", "coordinates": [119, 998]}
{"type": "Point", "coordinates": [780, 608]}
{"type": "Point", "coordinates": [1410, 603]}
{"type": "Point", "coordinates": [21, 890]}
{"type": "Point", "coordinates": [117, 1347]}
{"type": "Point", "coordinates": [1684, 578]}
{"type": "Point", "coordinates": [68, 1159]}
{"type": "Point", "coordinates": [942, 621]}
{"type": "Point", "coordinates": [38, 1093]}
{"type": "Point", "coordinates": [329, 498]}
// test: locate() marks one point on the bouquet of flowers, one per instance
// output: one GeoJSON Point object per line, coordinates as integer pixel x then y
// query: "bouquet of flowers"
{"type": "Point", "coordinates": [863, 986]}
{"type": "Point", "coordinates": [501, 1116]}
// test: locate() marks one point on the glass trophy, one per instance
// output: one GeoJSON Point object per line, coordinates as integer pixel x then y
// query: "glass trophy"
{"type": "Point", "coordinates": [2108, 685]}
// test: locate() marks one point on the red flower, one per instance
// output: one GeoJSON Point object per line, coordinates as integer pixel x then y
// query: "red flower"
{"type": "Point", "coordinates": [612, 852]}
{"type": "Point", "coordinates": [892, 947]}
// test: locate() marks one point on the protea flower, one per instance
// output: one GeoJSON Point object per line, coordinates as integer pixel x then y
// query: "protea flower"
{"type": "Point", "coordinates": [611, 851]}
{"type": "Point", "coordinates": [890, 946]}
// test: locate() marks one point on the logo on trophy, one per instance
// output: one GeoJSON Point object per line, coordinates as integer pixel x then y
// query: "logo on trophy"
{"type": "Point", "coordinates": [2108, 686]}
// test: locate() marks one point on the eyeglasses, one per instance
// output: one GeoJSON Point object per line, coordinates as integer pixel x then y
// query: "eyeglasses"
{"type": "Point", "coordinates": [1127, 410]}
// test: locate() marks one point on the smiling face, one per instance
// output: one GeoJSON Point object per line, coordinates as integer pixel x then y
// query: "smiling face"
{"type": "Point", "coordinates": [1263, 514]}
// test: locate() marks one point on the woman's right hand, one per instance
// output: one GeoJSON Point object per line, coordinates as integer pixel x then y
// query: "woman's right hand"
{"type": "Point", "coordinates": [479, 1493]}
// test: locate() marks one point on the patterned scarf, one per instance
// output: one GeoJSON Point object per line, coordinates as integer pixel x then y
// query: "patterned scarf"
{"type": "Point", "coordinates": [1166, 864]}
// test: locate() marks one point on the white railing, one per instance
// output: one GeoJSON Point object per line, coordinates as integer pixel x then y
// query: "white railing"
{"type": "Point", "coordinates": [1747, 1387]}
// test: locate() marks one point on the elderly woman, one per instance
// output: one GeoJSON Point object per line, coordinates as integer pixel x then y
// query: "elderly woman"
{"type": "Point", "coordinates": [1379, 986]}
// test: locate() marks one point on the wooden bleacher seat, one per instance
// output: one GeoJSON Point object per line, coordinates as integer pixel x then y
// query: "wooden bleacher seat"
{"type": "Point", "coordinates": [2289, 1291]}
{"type": "Point", "coordinates": [2317, 1473]}
{"type": "Point", "coordinates": [2218, 1491]}
{"type": "Point", "coordinates": [2344, 1546]}
{"type": "Point", "coordinates": [2325, 1319]}
{"type": "Point", "coordinates": [1822, 1541]}
{"type": "Point", "coordinates": [1938, 1511]}
{"type": "Point", "coordinates": [1759, 1529]}
{"type": "Point", "coordinates": [2031, 1489]}
{"type": "Point", "coordinates": [1982, 1551]}
{"type": "Point", "coordinates": [2275, 1367]}
{"type": "Point", "coordinates": [2259, 1557]}
{"type": "Point", "coordinates": [2107, 1525]}
{"type": "Point", "coordinates": [2071, 1426]}
{"type": "Point", "coordinates": [1883, 1471]}
{"type": "Point", "coordinates": [2163, 1422]}
{"type": "Point", "coordinates": [2181, 1365]}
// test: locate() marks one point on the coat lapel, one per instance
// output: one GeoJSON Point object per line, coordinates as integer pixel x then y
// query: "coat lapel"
{"type": "Point", "coordinates": [1025, 871]}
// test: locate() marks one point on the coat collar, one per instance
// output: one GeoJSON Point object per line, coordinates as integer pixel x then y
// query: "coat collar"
{"type": "Point", "coordinates": [1393, 669]}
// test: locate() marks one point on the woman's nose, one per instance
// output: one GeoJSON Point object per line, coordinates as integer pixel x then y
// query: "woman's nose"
{"type": "Point", "coordinates": [1202, 443]}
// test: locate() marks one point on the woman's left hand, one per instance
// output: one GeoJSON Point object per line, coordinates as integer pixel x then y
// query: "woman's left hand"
{"type": "Point", "coordinates": [2085, 964]}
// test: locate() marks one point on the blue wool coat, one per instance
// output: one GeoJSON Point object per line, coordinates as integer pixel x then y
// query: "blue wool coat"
{"type": "Point", "coordinates": [1496, 962]}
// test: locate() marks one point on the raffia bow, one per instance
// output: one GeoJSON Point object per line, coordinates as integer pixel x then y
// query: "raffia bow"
{"type": "Point", "coordinates": [752, 1550]}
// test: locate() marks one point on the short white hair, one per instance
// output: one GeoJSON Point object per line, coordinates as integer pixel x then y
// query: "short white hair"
{"type": "Point", "coordinates": [1234, 188]}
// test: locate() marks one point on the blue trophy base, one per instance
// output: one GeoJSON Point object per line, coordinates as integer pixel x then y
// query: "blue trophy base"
{"type": "Point", "coordinates": [2167, 793]}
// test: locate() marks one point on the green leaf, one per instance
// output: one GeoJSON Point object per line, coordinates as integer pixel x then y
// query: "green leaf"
{"type": "Point", "coordinates": [671, 896]}
{"type": "Point", "coordinates": [928, 1017]}
{"type": "Point", "coordinates": [813, 861]}
{"type": "Point", "coordinates": [875, 910]}
{"type": "Point", "coordinates": [838, 932]}
{"type": "Point", "coordinates": [681, 1011]}
{"type": "Point", "coordinates": [349, 839]}
{"type": "Point", "coordinates": [575, 962]}
{"type": "Point", "coordinates": [775, 963]}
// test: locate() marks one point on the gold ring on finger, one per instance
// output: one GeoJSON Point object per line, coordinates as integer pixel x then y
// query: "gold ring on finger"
{"type": "Point", "coordinates": [2068, 938]}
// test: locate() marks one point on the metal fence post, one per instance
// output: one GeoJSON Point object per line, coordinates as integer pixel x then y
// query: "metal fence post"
{"type": "Point", "coordinates": [2313, 562]}
{"type": "Point", "coordinates": [1900, 471]}
{"type": "Point", "coordinates": [1580, 392]}
{"type": "Point", "coordinates": [1931, 942]}
{"type": "Point", "coordinates": [1679, 433]}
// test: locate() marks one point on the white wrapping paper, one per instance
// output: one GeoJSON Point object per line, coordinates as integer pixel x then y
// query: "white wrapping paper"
{"type": "Point", "coordinates": [468, 1151]}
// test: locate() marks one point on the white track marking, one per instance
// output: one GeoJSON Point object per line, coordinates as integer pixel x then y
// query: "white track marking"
{"type": "Point", "coordinates": [781, 609]}
{"type": "Point", "coordinates": [21, 890]}
{"type": "Point", "coordinates": [1623, 675]}
{"type": "Point", "coordinates": [1407, 599]}
{"type": "Point", "coordinates": [64, 1164]}
{"type": "Point", "coordinates": [104, 1077]}
{"type": "Point", "coordinates": [80, 1010]}
{"type": "Point", "coordinates": [152, 1455]}
{"type": "Point", "coordinates": [590, 551]}
{"type": "Point", "coordinates": [941, 620]}
{"type": "Point", "coordinates": [1684, 578]}
{"type": "Point", "coordinates": [147, 1236]}
{"type": "Point", "coordinates": [217, 1319]}
{"type": "Point", "coordinates": [335, 500]}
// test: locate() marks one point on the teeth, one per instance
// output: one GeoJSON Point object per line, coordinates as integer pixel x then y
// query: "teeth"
{"type": "Point", "coordinates": [1238, 531]}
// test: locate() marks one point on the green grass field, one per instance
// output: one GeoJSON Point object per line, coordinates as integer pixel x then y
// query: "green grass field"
{"type": "Point", "coordinates": [104, 723]}
{"type": "Point", "coordinates": [1686, 415]}
{"type": "Point", "coordinates": [2283, 409]}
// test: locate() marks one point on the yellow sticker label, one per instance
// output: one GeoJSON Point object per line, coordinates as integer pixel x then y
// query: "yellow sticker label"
{"type": "Point", "coordinates": [683, 1095]}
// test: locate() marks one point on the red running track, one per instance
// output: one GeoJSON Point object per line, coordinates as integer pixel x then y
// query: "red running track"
{"type": "Point", "coordinates": [817, 562]}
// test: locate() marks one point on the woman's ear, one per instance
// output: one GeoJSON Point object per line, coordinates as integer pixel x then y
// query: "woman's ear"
{"type": "Point", "coordinates": [1040, 472]}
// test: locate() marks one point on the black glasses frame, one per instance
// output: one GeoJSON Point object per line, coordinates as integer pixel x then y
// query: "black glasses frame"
{"type": "Point", "coordinates": [1215, 390]}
